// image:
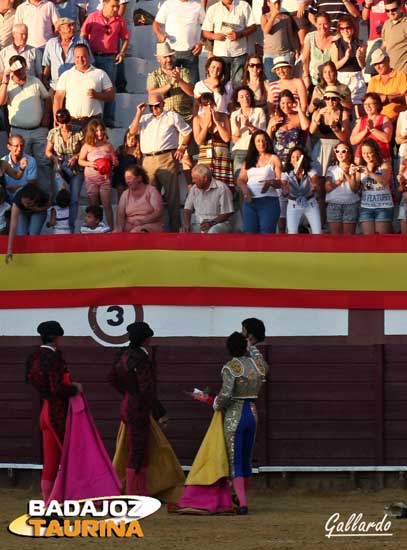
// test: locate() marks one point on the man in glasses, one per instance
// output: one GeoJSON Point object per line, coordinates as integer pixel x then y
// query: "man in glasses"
{"type": "Point", "coordinates": [104, 29]}
{"type": "Point", "coordinates": [390, 84]}
{"type": "Point", "coordinates": [160, 134]}
{"type": "Point", "coordinates": [58, 53]}
{"type": "Point", "coordinates": [394, 34]}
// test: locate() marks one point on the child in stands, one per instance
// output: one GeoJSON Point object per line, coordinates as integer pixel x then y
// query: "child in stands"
{"type": "Point", "coordinates": [59, 213]}
{"type": "Point", "coordinates": [93, 222]}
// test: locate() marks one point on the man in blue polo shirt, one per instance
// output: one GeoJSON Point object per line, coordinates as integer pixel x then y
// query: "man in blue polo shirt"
{"type": "Point", "coordinates": [16, 146]}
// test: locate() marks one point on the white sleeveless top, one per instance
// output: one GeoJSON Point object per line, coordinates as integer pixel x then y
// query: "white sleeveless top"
{"type": "Point", "coordinates": [255, 182]}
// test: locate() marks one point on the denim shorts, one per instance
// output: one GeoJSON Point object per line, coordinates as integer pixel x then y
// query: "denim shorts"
{"type": "Point", "coordinates": [342, 213]}
{"type": "Point", "coordinates": [376, 215]}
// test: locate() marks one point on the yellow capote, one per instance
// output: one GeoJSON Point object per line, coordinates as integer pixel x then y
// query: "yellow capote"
{"type": "Point", "coordinates": [165, 478]}
{"type": "Point", "coordinates": [211, 461]}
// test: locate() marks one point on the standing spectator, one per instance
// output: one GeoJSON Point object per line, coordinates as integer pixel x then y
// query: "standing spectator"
{"type": "Point", "coordinates": [391, 85]}
{"type": "Point", "coordinates": [28, 214]}
{"type": "Point", "coordinates": [348, 54]}
{"type": "Point", "coordinates": [59, 52]}
{"type": "Point", "coordinates": [39, 16]}
{"type": "Point", "coordinates": [63, 147]}
{"type": "Point", "coordinates": [182, 20]}
{"type": "Point", "coordinates": [254, 78]}
{"type": "Point", "coordinates": [211, 200]}
{"type": "Point", "coordinates": [97, 176]}
{"type": "Point", "coordinates": [84, 88]}
{"type": "Point", "coordinates": [300, 184]}
{"type": "Point", "coordinates": [215, 83]}
{"type": "Point", "coordinates": [67, 8]}
{"type": "Point", "coordinates": [86, 7]}
{"type": "Point", "coordinates": [317, 49]}
{"type": "Point", "coordinates": [212, 134]}
{"type": "Point", "coordinates": [342, 193]}
{"type": "Point", "coordinates": [19, 46]}
{"type": "Point", "coordinates": [297, 9]}
{"type": "Point", "coordinates": [228, 23]}
{"type": "Point", "coordinates": [141, 208]}
{"type": "Point", "coordinates": [376, 206]}
{"type": "Point", "coordinates": [15, 157]}
{"type": "Point", "coordinates": [283, 68]}
{"type": "Point", "coordinates": [29, 108]}
{"type": "Point", "coordinates": [394, 34]}
{"type": "Point", "coordinates": [335, 8]}
{"type": "Point", "coordinates": [279, 37]}
{"type": "Point", "coordinates": [174, 83]}
{"type": "Point", "coordinates": [160, 133]}
{"type": "Point", "coordinates": [7, 13]}
{"type": "Point", "coordinates": [104, 29]}
{"type": "Point", "coordinates": [259, 180]}
{"type": "Point", "coordinates": [244, 121]}
{"type": "Point", "coordinates": [373, 125]}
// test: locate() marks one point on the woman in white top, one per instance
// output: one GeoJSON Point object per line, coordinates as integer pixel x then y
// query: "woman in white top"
{"type": "Point", "coordinates": [374, 178]}
{"type": "Point", "coordinates": [258, 181]}
{"type": "Point", "coordinates": [342, 193]}
{"type": "Point", "coordinates": [244, 122]}
{"type": "Point", "coordinates": [300, 185]}
{"type": "Point", "coordinates": [215, 84]}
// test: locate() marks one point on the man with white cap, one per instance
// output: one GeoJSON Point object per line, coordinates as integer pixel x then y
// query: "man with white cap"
{"type": "Point", "coordinates": [390, 84]}
{"type": "Point", "coordinates": [20, 47]}
{"type": "Point", "coordinates": [171, 82]}
{"type": "Point", "coordinates": [228, 23]}
{"type": "Point", "coordinates": [58, 53]}
{"type": "Point", "coordinates": [179, 22]}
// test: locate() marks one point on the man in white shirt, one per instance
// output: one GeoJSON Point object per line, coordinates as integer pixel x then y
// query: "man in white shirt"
{"type": "Point", "coordinates": [212, 202]}
{"type": "Point", "coordinates": [160, 133]}
{"type": "Point", "coordinates": [228, 23]}
{"type": "Point", "coordinates": [20, 47]}
{"type": "Point", "coordinates": [39, 16]}
{"type": "Point", "coordinates": [84, 88]}
{"type": "Point", "coordinates": [29, 109]}
{"type": "Point", "coordinates": [179, 23]}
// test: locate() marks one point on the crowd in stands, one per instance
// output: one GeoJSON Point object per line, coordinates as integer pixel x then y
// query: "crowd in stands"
{"type": "Point", "coordinates": [296, 124]}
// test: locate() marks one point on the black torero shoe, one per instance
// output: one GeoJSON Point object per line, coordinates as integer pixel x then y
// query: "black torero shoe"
{"type": "Point", "coordinates": [242, 511]}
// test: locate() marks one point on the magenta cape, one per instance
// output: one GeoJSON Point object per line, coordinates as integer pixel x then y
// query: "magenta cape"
{"type": "Point", "coordinates": [86, 470]}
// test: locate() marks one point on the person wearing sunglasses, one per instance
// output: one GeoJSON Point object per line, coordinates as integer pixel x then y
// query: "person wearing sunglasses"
{"type": "Point", "coordinates": [373, 125]}
{"type": "Point", "coordinates": [394, 34]}
{"type": "Point", "coordinates": [164, 137]}
{"type": "Point", "coordinates": [105, 29]}
{"type": "Point", "coordinates": [279, 37]}
{"type": "Point", "coordinates": [253, 77]}
{"type": "Point", "coordinates": [348, 53]}
{"type": "Point", "coordinates": [342, 195]}
{"type": "Point", "coordinates": [334, 8]}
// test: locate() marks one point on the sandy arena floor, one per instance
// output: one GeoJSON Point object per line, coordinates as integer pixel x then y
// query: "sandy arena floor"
{"type": "Point", "coordinates": [288, 520]}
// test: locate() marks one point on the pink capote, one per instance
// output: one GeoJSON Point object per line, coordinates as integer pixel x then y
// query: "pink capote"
{"type": "Point", "coordinates": [212, 499]}
{"type": "Point", "coordinates": [86, 470]}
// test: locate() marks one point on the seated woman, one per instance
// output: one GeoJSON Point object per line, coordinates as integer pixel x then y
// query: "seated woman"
{"type": "Point", "coordinates": [373, 125]}
{"type": "Point", "coordinates": [348, 53]}
{"type": "Point", "coordinates": [300, 184]}
{"type": "Point", "coordinates": [374, 178]}
{"type": "Point", "coordinates": [212, 134]}
{"type": "Point", "coordinates": [258, 181]}
{"type": "Point", "coordinates": [140, 208]}
{"type": "Point", "coordinates": [342, 195]}
{"type": "Point", "coordinates": [244, 121]}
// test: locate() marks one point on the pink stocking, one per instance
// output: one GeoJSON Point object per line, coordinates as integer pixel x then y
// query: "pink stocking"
{"type": "Point", "coordinates": [239, 486]}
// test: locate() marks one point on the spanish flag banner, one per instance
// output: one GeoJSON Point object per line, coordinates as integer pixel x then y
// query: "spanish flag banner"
{"type": "Point", "coordinates": [309, 271]}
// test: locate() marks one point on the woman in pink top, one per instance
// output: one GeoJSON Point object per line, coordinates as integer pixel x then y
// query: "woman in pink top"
{"type": "Point", "coordinates": [97, 175]}
{"type": "Point", "coordinates": [141, 207]}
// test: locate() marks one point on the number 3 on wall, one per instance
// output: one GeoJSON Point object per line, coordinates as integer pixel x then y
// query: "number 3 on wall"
{"type": "Point", "coordinates": [113, 316]}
